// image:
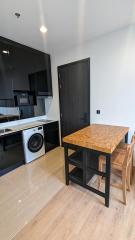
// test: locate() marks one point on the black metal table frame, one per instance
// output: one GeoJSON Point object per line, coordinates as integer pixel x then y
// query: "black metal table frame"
{"type": "Point", "coordinates": [105, 174]}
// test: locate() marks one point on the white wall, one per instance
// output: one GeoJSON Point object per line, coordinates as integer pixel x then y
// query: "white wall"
{"type": "Point", "coordinates": [112, 77]}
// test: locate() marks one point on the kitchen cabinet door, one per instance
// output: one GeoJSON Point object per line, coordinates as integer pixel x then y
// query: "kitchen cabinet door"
{"type": "Point", "coordinates": [21, 64]}
{"type": "Point", "coordinates": [51, 136]}
{"type": "Point", "coordinates": [11, 152]}
{"type": "Point", "coordinates": [40, 79]}
{"type": "Point", "coordinates": [6, 77]}
{"type": "Point", "coordinates": [17, 63]}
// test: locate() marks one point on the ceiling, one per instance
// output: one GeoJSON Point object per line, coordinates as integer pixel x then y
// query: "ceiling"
{"type": "Point", "coordinates": [69, 22]}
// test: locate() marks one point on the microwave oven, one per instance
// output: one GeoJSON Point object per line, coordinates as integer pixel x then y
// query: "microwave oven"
{"type": "Point", "coordinates": [24, 98]}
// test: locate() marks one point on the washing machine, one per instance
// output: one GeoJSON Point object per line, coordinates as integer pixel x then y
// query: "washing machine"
{"type": "Point", "coordinates": [33, 141]}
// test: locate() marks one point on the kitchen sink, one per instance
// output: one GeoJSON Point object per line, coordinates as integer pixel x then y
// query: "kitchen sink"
{"type": "Point", "coordinates": [45, 121]}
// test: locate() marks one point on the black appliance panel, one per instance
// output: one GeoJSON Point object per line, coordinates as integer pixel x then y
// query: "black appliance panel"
{"type": "Point", "coordinates": [24, 98]}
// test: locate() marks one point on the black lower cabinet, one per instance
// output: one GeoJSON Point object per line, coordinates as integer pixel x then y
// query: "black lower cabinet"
{"type": "Point", "coordinates": [11, 152]}
{"type": "Point", "coordinates": [51, 136]}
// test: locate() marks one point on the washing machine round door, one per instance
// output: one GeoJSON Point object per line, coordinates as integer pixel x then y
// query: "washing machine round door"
{"type": "Point", "coordinates": [35, 142]}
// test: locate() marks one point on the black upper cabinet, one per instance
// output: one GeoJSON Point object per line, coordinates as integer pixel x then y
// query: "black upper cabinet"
{"type": "Point", "coordinates": [40, 78]}
{"type": "Point", "coordinates": [23, 68]}
{"type": "Point", "coordinates": [6, 77]}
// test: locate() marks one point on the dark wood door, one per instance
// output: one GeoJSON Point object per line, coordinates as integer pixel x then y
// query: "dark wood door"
{"type": "Point", "coordinates": [74, 93]}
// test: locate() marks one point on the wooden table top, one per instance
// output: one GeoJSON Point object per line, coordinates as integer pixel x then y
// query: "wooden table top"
{"type": "Point", "coordinates": [104, 138]}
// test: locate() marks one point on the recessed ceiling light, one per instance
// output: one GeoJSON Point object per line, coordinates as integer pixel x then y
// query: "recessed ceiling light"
{"type": "Point", "coordinates": [5, 51]}
{"type": "Point", "coordinates": [43, 29]}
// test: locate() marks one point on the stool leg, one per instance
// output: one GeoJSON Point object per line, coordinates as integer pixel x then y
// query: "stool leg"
{"type": "Point", "coordinates": [124, 187]}
{"type": "Point", "coordinates": [132, 171]}
{"type": "Point", "coordinates": [129, 172]}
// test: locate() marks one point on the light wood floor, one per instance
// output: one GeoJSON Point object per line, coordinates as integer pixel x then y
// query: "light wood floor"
{"type": "Point", "coordinates": [27, 189]}
{"type": "Point", "coordinates": [71, 213]}
{"type": "Point", "coordinates": [76, 214]}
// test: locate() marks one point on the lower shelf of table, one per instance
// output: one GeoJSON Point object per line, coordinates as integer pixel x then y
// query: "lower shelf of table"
{"type": "Point", "coordinates": [76, 175]}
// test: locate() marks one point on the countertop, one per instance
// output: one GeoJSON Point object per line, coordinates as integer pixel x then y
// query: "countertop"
{"type": "Point", "coordinates": [104, 138]}
{"type": "Point", "coordinates": [21, 127]}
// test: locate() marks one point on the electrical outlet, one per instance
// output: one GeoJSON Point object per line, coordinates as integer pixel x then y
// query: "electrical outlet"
{"type": "Point", "coordinates": [98, 111]}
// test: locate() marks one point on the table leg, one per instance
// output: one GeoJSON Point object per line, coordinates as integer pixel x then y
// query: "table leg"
{"type": "Point", "coordinates": [85, 157]}
{"type": "Point", "coordinates": [126, 138]}
{"type": "Point", "coordinates": [107, 180]}
{"type": "Point", "coordinates": [66, 164]}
